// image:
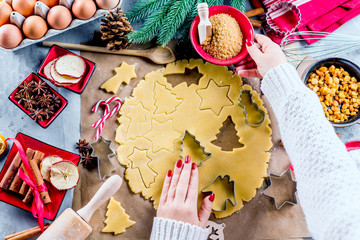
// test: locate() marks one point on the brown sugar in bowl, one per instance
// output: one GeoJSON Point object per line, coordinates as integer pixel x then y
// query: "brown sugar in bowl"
{"type": "Point", "coordinates": [245, 27]}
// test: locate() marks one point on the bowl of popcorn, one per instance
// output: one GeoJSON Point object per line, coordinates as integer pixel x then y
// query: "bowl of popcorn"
{"type": "Point", "coordinates": [230, 29]}
{"type": "Point", "coordinates": [336, 81]}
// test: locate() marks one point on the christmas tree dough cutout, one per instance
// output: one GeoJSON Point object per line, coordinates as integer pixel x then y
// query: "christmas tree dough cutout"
{"type": "Point", "coordinates": [137, 112]}
{"type": "Point", "coordinates": [124, 74]}
{"type": "Point", "coordinates": [140, 160]}
{"type": "Point", "coordinates": [117, 220]}
{"type": "Point", "coordinates": [163, 95]}
{"type": "Point", "coordinates": [192, 148]}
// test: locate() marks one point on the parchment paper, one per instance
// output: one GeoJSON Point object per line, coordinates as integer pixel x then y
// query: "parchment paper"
{"type": "Point", "coordinates": [257, 220]}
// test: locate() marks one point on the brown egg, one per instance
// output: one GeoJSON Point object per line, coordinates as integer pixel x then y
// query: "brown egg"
{"type": "Point", "coordinates": [34, 27]}
{"type": "Point", "coordinates": [8, 2]}
{"type": "Point", "coordinates": [83, 9]}
{"type": "Point", "coordinates": [24, 7]}
{"type": "Point", "coordinates": [107, 4]}
{"type": "Point", "coordinates": [10, 36]}
{"type": "Point", "coordinates": [50, 3]}
{"type": "Point", "coordinates": [59, 17]}
{"type": "Point", "coordinates": [5, 11]}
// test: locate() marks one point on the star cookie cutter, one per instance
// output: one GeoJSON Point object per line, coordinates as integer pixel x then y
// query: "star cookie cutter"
{"type": "Point", "coordinates": [259, 110]}
{"type": "Point", "coordinates": [289, 174]}
{"type": "Point", "coordinates": [103, 158]}
{"type": "Point", "coordinates": [227, 199]}
{"type": "Point", "coordinates": [187, 133]}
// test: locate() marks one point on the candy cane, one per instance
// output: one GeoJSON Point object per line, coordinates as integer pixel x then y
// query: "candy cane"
{"type": "Point", "coordinates": [107, 113]}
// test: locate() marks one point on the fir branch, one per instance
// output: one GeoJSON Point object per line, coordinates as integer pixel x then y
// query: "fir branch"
{"type": "Point", "coordinates": [151, 26]}
{"type": "Point", "coordinates": [239, 4]}
{"type": "Point", "coordinates": [174, 19]}
{"type": "Point", "coordinates": [214, 2]}
{"type": "Point", "coordinates": [144, 8]}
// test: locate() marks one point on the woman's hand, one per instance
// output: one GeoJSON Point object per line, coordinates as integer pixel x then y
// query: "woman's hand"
{"type": "Point", "coordinates": [260, 60]}
{"type": "Point", "coordinates": [179, 196]}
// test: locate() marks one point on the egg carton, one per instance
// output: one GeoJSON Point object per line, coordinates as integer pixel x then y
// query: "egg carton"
{"type": "Point", "coordinates": [52, 32]}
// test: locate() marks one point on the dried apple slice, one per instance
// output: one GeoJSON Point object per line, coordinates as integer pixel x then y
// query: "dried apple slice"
{"type": "Point", "coordinates": [64, 175]}
{"type": "Point", "coordinates": [71, 66]}
{"type": "Point", "coordinates": [61, 80]}
{"type": "Point", "coordinates": [46, 164]}
{"type": "Point", "coordinates": [47, 69]}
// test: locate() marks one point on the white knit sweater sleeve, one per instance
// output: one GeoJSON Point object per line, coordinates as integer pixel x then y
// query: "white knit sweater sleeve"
{"type": "Point", "coordinates": [327, 176]}
{"type": "Point", "coordinates": [167, 229]}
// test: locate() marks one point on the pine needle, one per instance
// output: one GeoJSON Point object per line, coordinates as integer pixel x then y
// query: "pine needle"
{"type": "Point", "coordinates": [151, 26]}
{"type": "Point", "coordinates": [174, 19]}
{"type": "Point", "coordinates": [214, 2]}
{"type": "Point", "coordinates": [239, 4]}
{"type": "Point", "coordinates": [144, 8]}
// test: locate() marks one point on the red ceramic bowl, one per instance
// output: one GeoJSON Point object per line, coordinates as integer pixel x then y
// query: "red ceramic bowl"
{"type": "Point", "coordinates": [245, 26]}
{"type": "Point", "coordinates": [44, 123]}
{"type": "Point", "coordinates": [55, 52]}
{"type": "Point", "coordinates": [57, 196]}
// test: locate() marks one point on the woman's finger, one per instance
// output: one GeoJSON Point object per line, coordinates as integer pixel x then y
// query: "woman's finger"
{"type": "Point", "coordinates": [248, 65]}
{"type": "Point", "coordinates": [205, 210]}
{"type": "Point", "coordinates": [254, 51]}
{"type": "Point", "coordinates": [183, 183]}
{"type": "Point", "coordinates": [165, 188]}
{"type": "Point", "coordinates": [244, 61]}
{"type": "Point", "coordinates": [249, 73]}
{"type": "Point", "coordinates": [175, 179]}
{"type": "Point", "coordinates": [192, 194]}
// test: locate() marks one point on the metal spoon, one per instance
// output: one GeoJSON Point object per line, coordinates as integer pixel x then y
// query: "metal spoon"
{"type": "Point", "coordinates": [158, 54]}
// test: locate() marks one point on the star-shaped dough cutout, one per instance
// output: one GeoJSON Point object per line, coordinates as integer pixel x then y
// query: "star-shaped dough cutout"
{"type": "Point", "coordinates": [162, 136]}
{"type": "Point", "coordinates": [140, 160]}
{"type": "Point", "coordinates": [214, 97]}
{"type": "Point", "coordinates": [137, 115]}
{"type": "Point", "coordinates": [123, 75]}
{"type": "Point", "coordinates": [117, 220]}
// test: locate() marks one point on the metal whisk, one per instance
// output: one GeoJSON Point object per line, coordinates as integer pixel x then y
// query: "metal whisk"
{"type": "Point", "coordinates": [331, 44]}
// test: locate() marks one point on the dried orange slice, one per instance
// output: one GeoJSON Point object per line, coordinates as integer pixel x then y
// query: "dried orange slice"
{"type": "Point", "coordinates": [3, 145]}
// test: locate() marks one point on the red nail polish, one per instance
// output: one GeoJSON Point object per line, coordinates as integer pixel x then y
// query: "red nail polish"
{"type": "Point", "coordinates": [179, 163]}
{"type": "Point", "coordinates": [187, 159]}
{"type": "Point", "coordinates": [193, 166]}
{"type": "Point", "coordinates": [249, 43]}
{"type": "Point", "coordinates": [169, 174]}
{"type": "Point", "coordinates": [212, 197]}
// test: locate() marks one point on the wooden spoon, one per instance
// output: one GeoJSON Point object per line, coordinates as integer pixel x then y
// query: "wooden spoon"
{"type": "Point", "coordinates": [158, 54]}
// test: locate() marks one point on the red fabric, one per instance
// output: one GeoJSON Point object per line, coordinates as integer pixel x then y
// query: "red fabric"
{"type": "Point", "coordinates": [316, 15]}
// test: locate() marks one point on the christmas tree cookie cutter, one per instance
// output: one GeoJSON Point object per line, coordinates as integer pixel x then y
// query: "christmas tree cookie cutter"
{"type": "Point", "coordinates": [270, 184]}
{"type": "Point", "coordinates": [102, 150]}
{"type": "Point", "coordinates": [216, 230]}
{"type": "Point", "coordinates": [197, 142]}
{"type": "Point", "coordinates": [250, 107]}
{"type": "Point", "coordinates": [232, 201]}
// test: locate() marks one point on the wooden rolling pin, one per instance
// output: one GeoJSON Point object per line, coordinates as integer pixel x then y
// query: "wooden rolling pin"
{"type": "Point", "coordinates": [73, 225]}
{"type": "Point", "coordinates": [26, 233]}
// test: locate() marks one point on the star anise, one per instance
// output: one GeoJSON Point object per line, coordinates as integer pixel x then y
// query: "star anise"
{"type": "Point", "coordinates": [56, 100]}
{"type": "Point", "coordinates": [88, 161]}
{"type": "Point", "coordinates": [44, 100]}
{"type": "Point", "coordinates": [39, 87]}
{"type": "Point", "coordinates": [18, 96]}
{"type": "Point", "coordinates": [83, 146]}
{"type": "Point", "coordinates": [37, 114]}
{"type": "Point", "coordinates": [27, 102]}
{"type": "Point", "coordinates": [48, 112]}
{"type": "Point", "coordinates": [25, 89]}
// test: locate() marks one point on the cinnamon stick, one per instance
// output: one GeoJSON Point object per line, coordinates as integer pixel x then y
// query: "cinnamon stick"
{"type": "Point", "coordinates": [17, 181]}
{"type": "Point", "coordinates": [38, 156]}
{"type": "Point", "coordinates": [11, 172]}
{"type": "Point", "coordinates": [24, 187]}
{"type": "Point", "coordinates": [26, 233]}
{"type": "Point", "coordinates": [39, 179]}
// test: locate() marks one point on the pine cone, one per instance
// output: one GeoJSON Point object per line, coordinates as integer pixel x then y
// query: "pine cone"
{"type": "Point", "coordinates": [114, 29]}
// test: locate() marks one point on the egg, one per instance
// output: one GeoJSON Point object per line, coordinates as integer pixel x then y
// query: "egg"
{"type": "Point", "coordinates": [5, 11]}
{"type": "Point", "coordinates": [50, 3]}
{"type": "Point", "coordinates": [59, 17]}
{"type": "Point", "coordinates": [24, 7]}
{"type": "Point", "coordinates": [107, 4]}
{"type": "Point", "coordinates": [83, 9]}
{"type": "Point", "coordinates": [9, 2]}
{"type": "Point", "coordinates": [10, 36]}
{"type": "Point", "coordinates": [34, 27]}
